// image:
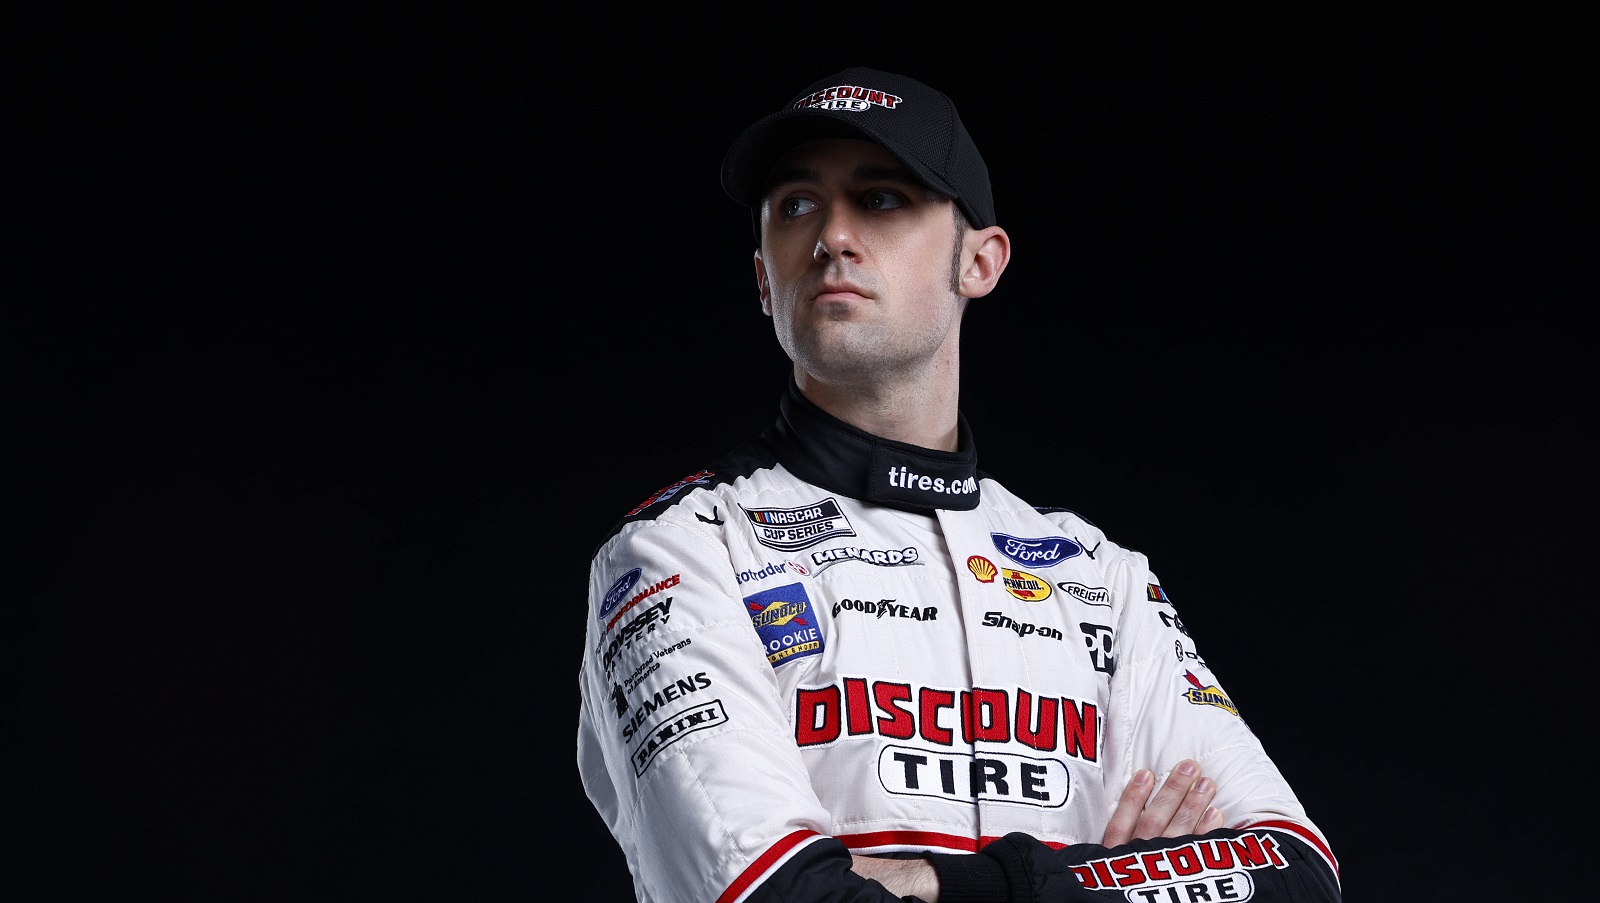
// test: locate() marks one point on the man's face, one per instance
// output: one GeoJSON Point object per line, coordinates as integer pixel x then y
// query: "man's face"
{"type": "Point", "coordinates": [856, 264]}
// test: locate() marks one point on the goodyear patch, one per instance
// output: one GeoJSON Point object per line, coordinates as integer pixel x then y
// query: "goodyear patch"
{"type": "Point", "coordinates": [784, 620]}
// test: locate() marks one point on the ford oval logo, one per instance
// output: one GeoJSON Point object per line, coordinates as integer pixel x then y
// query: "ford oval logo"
{"type": "Point", "coordinates": [619, 591]}
{"type": "Point", "coordinates": [1037, 552]}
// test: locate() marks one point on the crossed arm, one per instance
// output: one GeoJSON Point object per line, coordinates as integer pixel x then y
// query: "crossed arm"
{"type": "Point", "coordinates": [1182, 806]}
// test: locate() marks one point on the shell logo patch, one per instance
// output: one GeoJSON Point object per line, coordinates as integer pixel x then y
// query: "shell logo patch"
{"type": "Point", "coordinates": [1024, 585]}
{"type": "Point", "coordinates": [982, 568]}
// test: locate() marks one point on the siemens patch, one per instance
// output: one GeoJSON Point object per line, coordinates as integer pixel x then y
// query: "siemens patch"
{"type": "Point", "coordinates": [785, 622]}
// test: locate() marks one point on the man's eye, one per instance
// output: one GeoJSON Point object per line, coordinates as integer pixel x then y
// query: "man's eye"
{"type": "Point", "coordinates": [798, 206]}
{"type": "Point", "coordinates": [881, 200]}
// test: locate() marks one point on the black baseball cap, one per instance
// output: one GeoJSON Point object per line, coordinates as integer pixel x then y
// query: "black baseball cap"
{"type": "Point", "coordinates": [916, 123]}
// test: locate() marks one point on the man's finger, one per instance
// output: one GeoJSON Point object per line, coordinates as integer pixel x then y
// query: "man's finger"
{"type": "Point", "coordinates": [1120, 829]}
{"type": "Point", "coordinates": [1192, 810]}
{"type": "Point", "coordinates": [1159, 812]}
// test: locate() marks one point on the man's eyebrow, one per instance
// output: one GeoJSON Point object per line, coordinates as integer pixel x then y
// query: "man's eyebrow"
{"type": "Point", "coordinates": [879, 173]}
{"type": "Point", "coordinates": [867, 172]}
{"type": "Point", "coordinates": [792, 175]}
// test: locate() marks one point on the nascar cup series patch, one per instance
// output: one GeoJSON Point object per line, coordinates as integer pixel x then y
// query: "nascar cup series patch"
{"type": "Point", "coordinates": [792, 529]}
{"type": "Point", "coordinates": [784, 620]}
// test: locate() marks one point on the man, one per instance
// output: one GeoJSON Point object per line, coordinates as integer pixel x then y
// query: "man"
{"type": "Point", "coordinates": [841, 663]}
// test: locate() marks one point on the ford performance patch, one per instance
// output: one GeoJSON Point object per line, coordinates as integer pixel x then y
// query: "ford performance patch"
{"type": "Point", "coordinates": [785, 622]}
{"type": "Point", "coordinates": [792, 529]}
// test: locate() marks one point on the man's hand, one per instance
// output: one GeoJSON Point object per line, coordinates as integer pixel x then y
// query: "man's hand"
{"type": "Point", "coordinates": [1182, 806]}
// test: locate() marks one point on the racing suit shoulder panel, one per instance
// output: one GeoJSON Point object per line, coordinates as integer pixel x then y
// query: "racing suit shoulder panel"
{"type": "Point", "coordinates": [747, 458]}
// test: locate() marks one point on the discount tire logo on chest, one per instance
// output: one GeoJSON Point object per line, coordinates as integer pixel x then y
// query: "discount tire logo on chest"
{"type": "Point", "coordinates": [991, 776]}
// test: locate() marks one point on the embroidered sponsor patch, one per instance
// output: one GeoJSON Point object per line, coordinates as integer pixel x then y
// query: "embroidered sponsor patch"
{"type": "Point", "coordinates": [1200, 694]}
{"type": "Point", "coordinates": [645, 621]}
{"type": "Point", "coordinates": [1155, 593]}
{"type": "Point", "coordinates": [641, 595]}
{"type": "Point", "coordinates": [1036, 552]}
{"type": "Point", "coordinates": [991, 776]}
{"type": "Point", "coordinates": [785, 622]}
{"type": "Point", "coordinates": [618, 592]}
{"type": "Point", "coordinates": [897, 710]}
{"type": "Point", "coordinates": [1024, 586]}
{"type": "Point", "coordinates": [982, 568]}
{"type": "Point", "coordinates": [792, 529]}
{"type": "Point", "coordinates": [675, 727]}
{"type": "Point", "coordinates": [854, 98]}
{"type": "Point", "coordinates": [1201, 869]}
{"type": "Point", "coordinates": [1022, 628]}
{"type": "Point", "coordinates": [767, 569]}
{"type": "Point", "coordinates": [1100, 640]}
{"type": "Point", "coordinates": [887, 608]}
{"type": "Point", "coordinates": [884, 558]}
{"type": "Point", "coordinates": [702, 478]}
{"type": "Point", "coordinates": [1088, 595]}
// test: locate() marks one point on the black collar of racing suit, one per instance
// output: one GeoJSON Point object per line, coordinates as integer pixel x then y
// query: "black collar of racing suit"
{"type": "Point", "coordinates": [822, 449]}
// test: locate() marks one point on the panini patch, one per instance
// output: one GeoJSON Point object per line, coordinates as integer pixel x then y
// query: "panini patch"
{"type": "Point", "coordinates": [784, 620]}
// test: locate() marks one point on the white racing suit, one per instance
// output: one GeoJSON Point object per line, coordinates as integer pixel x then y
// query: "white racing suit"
{"type": "Point", "coordinates": [827, 642]}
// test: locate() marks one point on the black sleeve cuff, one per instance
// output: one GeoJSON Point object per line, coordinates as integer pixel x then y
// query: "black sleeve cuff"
{"type": "Point", "coordinates": [969, 878]}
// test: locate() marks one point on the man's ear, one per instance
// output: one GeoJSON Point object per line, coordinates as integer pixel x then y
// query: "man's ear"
{"type": "Point", "coordinates": [761, 285]}
{"type": "Point", "coordinates": [991, 251]}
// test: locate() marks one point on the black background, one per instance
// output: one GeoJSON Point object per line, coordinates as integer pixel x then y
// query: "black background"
{"type": "Point", "coordinates": [334, 348]}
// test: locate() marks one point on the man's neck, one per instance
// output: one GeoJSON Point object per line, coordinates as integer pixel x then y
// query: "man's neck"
{"type": "Point", "coordinates": [921, 412]}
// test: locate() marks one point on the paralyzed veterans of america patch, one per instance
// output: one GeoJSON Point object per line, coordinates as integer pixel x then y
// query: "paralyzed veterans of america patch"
{"type": "Point", "coordinates": [785, 622]}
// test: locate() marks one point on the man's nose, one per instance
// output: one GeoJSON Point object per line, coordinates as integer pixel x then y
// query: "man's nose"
{"type": "Point", "coordinates": [838, 237]}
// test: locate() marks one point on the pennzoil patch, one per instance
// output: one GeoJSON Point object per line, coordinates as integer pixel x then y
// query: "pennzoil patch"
{"type": "Point", "coordinates": [784, 620]}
